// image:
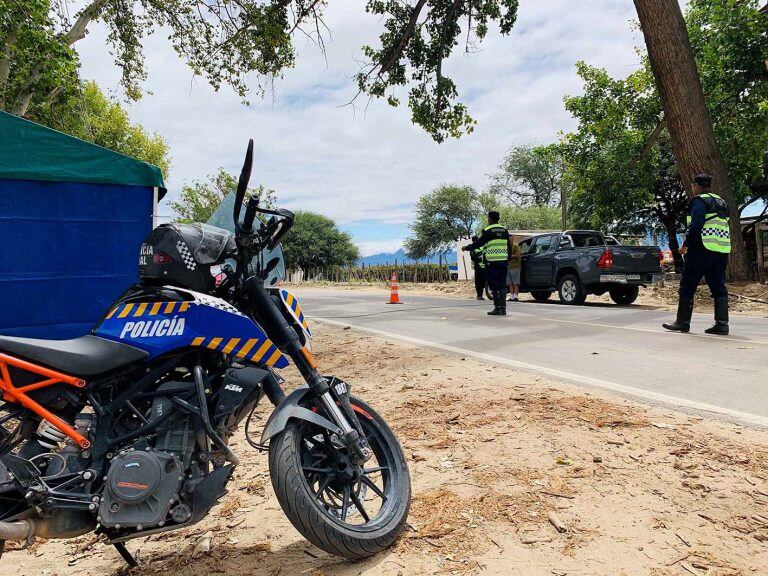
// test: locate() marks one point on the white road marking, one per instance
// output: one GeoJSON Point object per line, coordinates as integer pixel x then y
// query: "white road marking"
{"type": "Point", "coordinates": [744, 417]}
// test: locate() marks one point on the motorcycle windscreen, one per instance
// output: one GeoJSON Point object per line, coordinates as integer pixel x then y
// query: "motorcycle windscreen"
{"type": "Point", "coordinates": [222, 218]}
{"type": "Point", "coordinates": [205, 322]}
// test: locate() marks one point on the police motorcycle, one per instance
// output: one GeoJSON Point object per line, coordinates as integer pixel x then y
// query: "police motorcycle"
{"type": "Point", "coordinates": [125, 431]}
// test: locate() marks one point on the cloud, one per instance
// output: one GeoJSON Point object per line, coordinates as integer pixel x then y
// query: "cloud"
{"type": "Point", "coordinates": [369, 163]}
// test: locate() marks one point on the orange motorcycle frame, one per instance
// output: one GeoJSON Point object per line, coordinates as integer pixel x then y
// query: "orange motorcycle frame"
{"type": "Point", "coordinates": [18, 395]}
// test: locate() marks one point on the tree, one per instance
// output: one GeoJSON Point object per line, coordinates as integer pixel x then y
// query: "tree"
{"type": "Point", "coordinates": [530, 176]}
{"type": "Point", "coordinates": [621, 157]}
{"type": "Point", "coordinates": [443, 216]}
{"type": "Point", "coordinates": [228, 40]}
{"type": "Point", "coordinates": [91, 116]}
{"type": "Point", "coordinates": [619, 182]}
{"type": "Point", "coordinates": [198, 201]}
{"type": "Point", "coordinates": [687, 118]}
{"type": "Point", "coordinates": [541, 217]}
{"type": "Point", "coordinates": [315, 241]}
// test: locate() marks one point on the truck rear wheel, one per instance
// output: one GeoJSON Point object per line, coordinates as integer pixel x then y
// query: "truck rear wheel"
{"type": "Point", "coordinates": [624, 295]}
{"type": "Point", "coordinates": [571, 291]}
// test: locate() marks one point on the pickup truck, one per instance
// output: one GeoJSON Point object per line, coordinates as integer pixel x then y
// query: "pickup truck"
{"type": "Point", "coordinates": [576, 263]}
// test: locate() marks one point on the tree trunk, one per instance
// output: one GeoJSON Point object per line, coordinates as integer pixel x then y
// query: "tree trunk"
{"type": "Point", "coordinates": [686, 115]}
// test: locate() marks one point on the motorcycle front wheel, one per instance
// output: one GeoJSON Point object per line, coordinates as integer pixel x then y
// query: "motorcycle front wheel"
{"type": "Point", "coordinates": [347, 510]}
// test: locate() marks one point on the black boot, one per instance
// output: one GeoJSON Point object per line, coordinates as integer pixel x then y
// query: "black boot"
{"type": "Point", "coordinates": [721, 317]}
{"type": "Point", "coordinates": [503, 302]}
{"type": "Point", "coordinates": [496, 306]}
{"type": "Point", "coordinates": [684, 313]}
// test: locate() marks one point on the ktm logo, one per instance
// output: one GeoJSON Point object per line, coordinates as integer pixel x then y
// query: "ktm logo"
{"type": "Point", "coordinates": [149, 328]}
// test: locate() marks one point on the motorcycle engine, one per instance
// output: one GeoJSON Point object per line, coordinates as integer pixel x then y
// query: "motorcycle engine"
{"type": "Point", "coordinates": [140, 489]}
{"type": "Point", "coordinates": [146, 486]}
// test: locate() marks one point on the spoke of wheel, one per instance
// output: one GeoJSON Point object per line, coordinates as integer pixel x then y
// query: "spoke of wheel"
{"type": "Point", "coordinates": [345, 503]}
{"type": "Point", "coordinates": [368, 482]}
{"type": "Point", "coordinates": [376, 469]}
{"type": "Point", "coordinates": [316, 470]}
{"type": "Point", "coordinates": [323, 486]}
{"type": "Point", "coordinates": [359, 504]}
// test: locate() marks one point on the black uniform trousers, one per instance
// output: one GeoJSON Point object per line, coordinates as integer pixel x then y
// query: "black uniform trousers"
{"type": "Point", "coordinates": [702, 263]}
{"type": "Point", "coordinates": [479, 280]}
{"type": "Point", "coordinates": [496, 273]}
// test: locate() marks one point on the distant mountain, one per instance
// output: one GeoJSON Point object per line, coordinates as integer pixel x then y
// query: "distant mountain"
{"type": "Point", "coordinates": [390, 257]}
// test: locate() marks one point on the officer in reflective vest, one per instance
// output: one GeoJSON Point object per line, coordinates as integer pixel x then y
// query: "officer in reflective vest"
{"type": "Point", "coordinates": [494, 239]}
{"type": "Point", "coordinates": [478, 263]}
{"type": "Point", "coordinates": [706, 248]}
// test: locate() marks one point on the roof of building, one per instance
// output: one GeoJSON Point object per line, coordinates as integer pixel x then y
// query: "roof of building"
{"type": "Point", "coordinates": [29, 151]}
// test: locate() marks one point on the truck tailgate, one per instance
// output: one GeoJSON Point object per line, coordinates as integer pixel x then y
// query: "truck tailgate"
{"type": "Point", "coordinates": [631, 259]}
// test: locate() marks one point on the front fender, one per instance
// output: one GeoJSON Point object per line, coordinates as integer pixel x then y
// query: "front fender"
{"type": "Point", "coordinates": [290, 409]}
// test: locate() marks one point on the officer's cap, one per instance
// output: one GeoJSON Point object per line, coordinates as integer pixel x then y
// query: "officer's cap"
{"type": "Point", "coordinates": [704, 180]}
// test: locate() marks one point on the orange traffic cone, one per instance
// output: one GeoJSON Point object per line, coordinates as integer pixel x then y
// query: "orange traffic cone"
{"type": "Point", "coordinates": [394, 296]}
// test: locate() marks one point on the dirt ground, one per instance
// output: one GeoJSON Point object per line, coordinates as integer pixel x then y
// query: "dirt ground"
{"type": "Point", "coordinates": [498, 458]}
{"type": "Point", "coordinates": [747, 298]}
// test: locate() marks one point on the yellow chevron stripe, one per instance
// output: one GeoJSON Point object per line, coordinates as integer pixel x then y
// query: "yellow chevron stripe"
{"type": "Point", "coordinates": [155, 308]}
{"type": "Point", "coordinates": [272, 359]}
{"type": "Point", "coordinates": [231, 345]}
{"type": "Point", "coordinates": [198, 341]}
{"type": "Point", "coordinates": [247, 347]}
{"type": "Point", "coordinates": [289, 299]}
{"type": "Point", "coordinates": [111, 313]}
{"type": "Point", "coordinates": [126, 311]}
{"type": "Point", "coordinates": [169, 307]}
{"type": "Point", "coordinates": [184, 306]}
{"type": "Point", "coordinates": [256, 356]}
{"type": "Point", "coordinates": [140, 310]}
{"type": "Point", "coordinates": [214, 343]}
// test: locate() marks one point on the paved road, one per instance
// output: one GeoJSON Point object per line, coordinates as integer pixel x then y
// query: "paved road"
{"type": "Point", "coordinates": [622, 349]}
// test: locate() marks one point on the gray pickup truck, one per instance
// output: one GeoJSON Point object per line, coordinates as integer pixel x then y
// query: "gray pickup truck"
{"type": "Point", "coordinates": [576, 263]}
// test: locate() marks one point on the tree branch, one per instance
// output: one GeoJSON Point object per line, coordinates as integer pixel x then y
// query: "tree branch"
{"type": "Point", "coordinates": [404, 39]}
{"type": "Point", "coordinates": [80, 27]}
{"type": "Point", "coordinates": [5, 65]}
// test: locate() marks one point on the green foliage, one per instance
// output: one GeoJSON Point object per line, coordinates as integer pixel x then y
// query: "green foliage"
{"type": "Point", "coordinates": [530, 175]}
{"type": "Point", "coordinates": [623, 178]}
{"type": "Point", "coordinates": [541, 217]}
{"type": "Point", "coordinates": [315, 241]}
{"type": "Point", "coordinates": [92, 116]}
{"type": "Point", "coordinates": [32, 52]}
{"type": "Point", "coordinates": [198, 201]}
{"type": "Point", "coordinates": [443, 216]}
{"type": "Point", "coordinates": [228, 41]}
{"type": "Point", "coordinates": [416, 41]}
{"type": "Point", "coordinates": [731, 46]}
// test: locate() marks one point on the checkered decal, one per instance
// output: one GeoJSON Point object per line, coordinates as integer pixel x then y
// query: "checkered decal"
{"type": "Point", "coordinates": [186, 255]}
{"type": "Point", "coordinates": [715, 232]}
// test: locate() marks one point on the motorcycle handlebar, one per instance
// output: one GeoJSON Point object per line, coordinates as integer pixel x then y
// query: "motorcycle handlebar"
{"type": "Point", "coordinates": [250, 214]}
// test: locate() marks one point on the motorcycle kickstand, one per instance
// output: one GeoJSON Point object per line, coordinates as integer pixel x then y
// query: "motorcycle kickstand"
{"type": "Point", "coordinates": [127, 556]}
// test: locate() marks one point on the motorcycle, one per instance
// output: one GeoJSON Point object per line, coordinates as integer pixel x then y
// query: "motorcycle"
{"type": "Point", "coordinates": [125, 431]}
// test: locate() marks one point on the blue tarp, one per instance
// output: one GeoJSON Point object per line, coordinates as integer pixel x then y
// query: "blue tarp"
{"type": "Point", "coordinates": [67, 250]}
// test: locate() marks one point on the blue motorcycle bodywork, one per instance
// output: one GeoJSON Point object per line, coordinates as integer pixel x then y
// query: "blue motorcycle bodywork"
{"type": "Point", "coordinates": [161, 327]}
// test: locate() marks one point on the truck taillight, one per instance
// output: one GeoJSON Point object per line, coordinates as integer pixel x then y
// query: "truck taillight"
{"type": "Point", "coordinates": [606, 260]}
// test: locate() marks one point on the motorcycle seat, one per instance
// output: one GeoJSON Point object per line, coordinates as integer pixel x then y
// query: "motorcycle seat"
{"type": "Point", "coordinates": [85, 356]}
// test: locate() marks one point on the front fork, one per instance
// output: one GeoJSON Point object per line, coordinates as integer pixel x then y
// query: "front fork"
{"type": "Point", "coordinates": [282, 333]}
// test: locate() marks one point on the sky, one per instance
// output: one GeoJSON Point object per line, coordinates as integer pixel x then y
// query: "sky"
{"type": "Point", "coordinates": [365, 166]}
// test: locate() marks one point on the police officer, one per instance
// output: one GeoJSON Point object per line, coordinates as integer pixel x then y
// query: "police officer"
{"type": "Point", "coordinates": [706, 248]}
{"type": "Point", "coordinates": [494, 239]}
{"type": "Point", "coordinates": [478, 264]}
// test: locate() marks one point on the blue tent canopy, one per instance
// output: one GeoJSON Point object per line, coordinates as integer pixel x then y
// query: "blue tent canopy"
{"type": "Point", "coordinates": [67, 248]}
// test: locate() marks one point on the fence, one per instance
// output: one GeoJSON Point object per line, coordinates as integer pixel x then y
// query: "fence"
{"type": "Point", "coordinates": [426, 273]}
